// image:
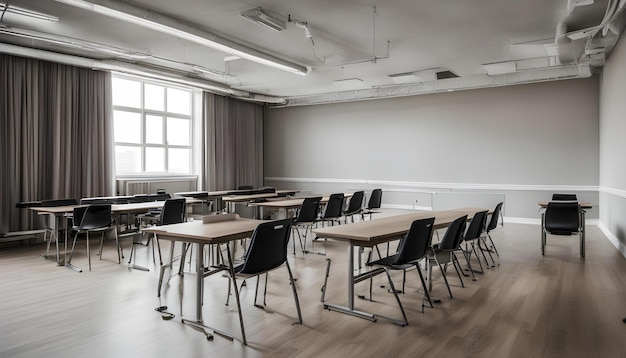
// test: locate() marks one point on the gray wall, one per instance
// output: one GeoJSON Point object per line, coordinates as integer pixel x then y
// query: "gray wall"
{"type": "Point", "coordinates": [518, 144]}
{"type": "Point", "coordinates": [613, 147]}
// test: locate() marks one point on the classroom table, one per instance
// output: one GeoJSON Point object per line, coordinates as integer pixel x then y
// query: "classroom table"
{"type": "Point", "coordinates": [201, 234]}
{"type": "Point", "coordinates": [292, 203]}
{"type": "Point", "coordinates": [377, 231]}
{"type": "Point", "coordinates": [56, 215]}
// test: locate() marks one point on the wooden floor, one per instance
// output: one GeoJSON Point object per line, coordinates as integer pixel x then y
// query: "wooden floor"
{"type": "Point", "coordinates": [529, 306]}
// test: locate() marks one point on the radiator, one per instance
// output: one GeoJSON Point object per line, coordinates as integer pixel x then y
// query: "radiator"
{"type": "Point", "coordinates": [151, 185]}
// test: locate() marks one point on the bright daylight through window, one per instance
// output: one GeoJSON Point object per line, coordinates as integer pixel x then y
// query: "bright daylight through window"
{"type": "Point", "coordinates": [152, 128]}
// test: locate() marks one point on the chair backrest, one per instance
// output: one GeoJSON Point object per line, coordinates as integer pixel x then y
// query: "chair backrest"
{"type": "Point", "coordinates": [416, 242]}
{"type": "Point", "coordinates": [493, 223]}
{"type": "Point", "coordinates": [452, 238]}
{"type": "Point", "coordinates": [159, 197]}
{"type": "Point", "coordinates": [173, 212]}
{"type": "Point", "coordinates": [309, 210]}
{"type": "Point", "coordinates": [562, 218]}
{"type": "Point", "coordinates": [376, 199]}
{"type": "Point", "coordinates": [268, 247]}
{"type": "Point", "coordinates": [245, 187]}
{"type": "Point", "coordinates": [356, 202]}
{"type": "Point", "coordinates": [476, 226]}
{"type": "Point", "coordinates": [570, 197]}
{"type": "Point", "coordinates": [59, 202]}
{"type": "Point", "coordinates": [94, 216]}
{"type": "Point", "coordinates": [333, 206]}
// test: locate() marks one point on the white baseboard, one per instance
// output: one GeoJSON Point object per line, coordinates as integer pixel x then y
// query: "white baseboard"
{"type": "Point", "coordinates": [613, 239]}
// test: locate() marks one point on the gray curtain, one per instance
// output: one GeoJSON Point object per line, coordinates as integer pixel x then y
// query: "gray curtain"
{"type": "Point", "coordinates": [233, 143]}
{"type": "Point", "coordinates": [56, 135]}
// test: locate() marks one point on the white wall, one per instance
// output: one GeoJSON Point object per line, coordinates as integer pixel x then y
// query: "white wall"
{"type": "Point", "coordinates": [613, 147]}
{"type": "Point", "coordinates": [521, 143]}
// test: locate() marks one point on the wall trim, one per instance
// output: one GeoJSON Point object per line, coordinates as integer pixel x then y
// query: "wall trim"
{"type": "Point", "coordinates": [446, 186]}
{"type": "Point", "coordinates": [615, 192]}
{"type": "Point", "coordinates": [613, 239]}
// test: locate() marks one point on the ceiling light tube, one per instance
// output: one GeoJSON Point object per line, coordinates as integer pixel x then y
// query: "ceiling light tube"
{"type": "Point", "coordinates": [170, 26]}
{"type": "Point", "coordinates": [25, 12]}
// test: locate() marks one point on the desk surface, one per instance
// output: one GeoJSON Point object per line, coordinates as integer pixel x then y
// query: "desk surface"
{"type": "Point", "coordinates": [293, 202]}
{"type": "Point", "coordinates": [372, 232]}
{"type": "Point", "coordinates": [212, 233]}
{"type": "Point", "coordinates": [544, 204]}
{"type": "Point", "coordinates": [115, 208]}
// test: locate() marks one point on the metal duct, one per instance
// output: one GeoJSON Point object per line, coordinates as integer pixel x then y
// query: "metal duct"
{"type": "Point", "coordinates": [446, 85]}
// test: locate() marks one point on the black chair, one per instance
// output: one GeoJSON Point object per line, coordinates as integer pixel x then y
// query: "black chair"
{"type": "Point", "coordinates": [355, 206]}
{"type": "Point", "coordinates": [267, 252]}
{"type": "Point", "coordinates": [93, 218]}
{"type": "Point", "coordinates": [563, 218]}
{"type": "Point", "coordinates": [493, 223]}
{"type": "Point", "coordinates": [413, 248]}
{"type": "Point", "coordinates": [374, 202]}
{"type": "Point", "coordinates": [333, 209]}
{"type": "Point", "coordinates": [331, 214]}
{"type": "Point", "coordinates": [472, 240]}
{"type": "Point", "coordinates": [245, 187]}
{"type": "Point", "coordinates": [443, 253]}
{"type": "Point", "coordinates": [173, 212]}
{"type": "Point", "coordinates": [564, 197]}
{"type": "Point", "coordinates": [307, 217]}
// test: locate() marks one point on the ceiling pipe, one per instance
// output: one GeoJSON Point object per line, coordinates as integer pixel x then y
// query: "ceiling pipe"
{"type": "Point", "coordinates": [167, 25]}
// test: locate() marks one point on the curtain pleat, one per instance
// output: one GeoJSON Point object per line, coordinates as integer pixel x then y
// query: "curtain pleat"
{"type": "Point", "coordinates": [55, 133]}
{"type": "Point", "coordinates": [233, 143]}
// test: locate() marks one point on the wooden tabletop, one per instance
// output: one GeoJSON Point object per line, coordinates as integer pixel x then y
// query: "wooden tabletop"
{"type": "Point", "coordinates": [240, 198]}
{"type": "Point", "coordinates": [369, 233]}
{"type": "Point", "coordinates": [292, 202]}
{"type": "Point", "coordinates": [212, 233]}
{"type": "Point", "coordinates": [544, 204]}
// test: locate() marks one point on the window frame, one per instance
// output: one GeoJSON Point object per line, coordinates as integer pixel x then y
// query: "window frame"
{"type": "Point", "coordinates": [144, 113]}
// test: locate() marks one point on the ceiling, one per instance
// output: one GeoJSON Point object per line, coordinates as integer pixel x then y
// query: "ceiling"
{"type": "Point", "coordinates": [357, 48]}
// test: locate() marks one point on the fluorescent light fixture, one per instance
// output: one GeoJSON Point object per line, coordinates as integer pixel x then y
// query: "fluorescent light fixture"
{"type": "Point", "coordinates": [72, 42]}
{"type": "Point", "coordinates": [211, 71]}
{"type": "Point", "coordinates": [262, 18]}
{"type": "Point", "coordinates": [25, 12]}
{"type": "Point", "coordinates": [406, 77]}
{"type": "Point", "coordinates": [171, 27]}
{"type": "Point", "coordinates": [499, 68]}
{"type": "Point", "coordinates": [349, 83]}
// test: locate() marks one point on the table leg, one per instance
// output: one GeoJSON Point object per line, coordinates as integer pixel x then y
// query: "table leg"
{"type": "Point", "coordinates": [350, 308]}
{"type": "Point", "coordinates": [198, 323]}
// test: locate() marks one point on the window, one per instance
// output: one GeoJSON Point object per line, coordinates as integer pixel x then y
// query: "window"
{"type": "Point", "coordinates": [153, 127]}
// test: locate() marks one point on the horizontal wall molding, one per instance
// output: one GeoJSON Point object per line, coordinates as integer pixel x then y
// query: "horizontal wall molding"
{"type": "Point", "coordinates": [615, 192]}
{"type": "Point", "coordinates": [440, 186]}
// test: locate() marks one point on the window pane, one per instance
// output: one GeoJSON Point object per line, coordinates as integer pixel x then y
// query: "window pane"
{"type": "Point", "coordinates": [178, 101]}
{"type": "Point", "coordinates": [127, 127]}
{"type": "Point", "coordinates": [179, 160]}
{"type": "Point", "coordinates": [126, 93]}
{"type": "Point", "coordinates": [155, 159]}
{"type": "Point", "coordinates": [154, 129]}
{"type": "Point", "coordinates": [154, 97]}
{"type": "Point", "coordinates": [178, 131]}
{"type": "Point", "coordinates": [127, 159]}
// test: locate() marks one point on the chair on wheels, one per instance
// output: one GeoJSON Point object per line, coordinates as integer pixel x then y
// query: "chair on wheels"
{"type": "Point", "coordinates": [443, 253]}
{"type": "Point", "coordinates": [355, 206]}
{"type": "Point", "coordinates": [267, 252]}
{"type": "Point", "coordinates": [307, 217]}
{"type": "Point", "coordinates": [374, 202]}
{"type": "Point", "coordinates": [94, 218]}
{"type": "Point", "coordinates": [563, 218]}
{"type": "Point", "coordinates": [472, 241]}
{"type": "Point", "coordinates": [493, 223]}
{"type": "Point", "coordinates": [172, 212]}
{"type": "Point", "coordinates": [413, 248]}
